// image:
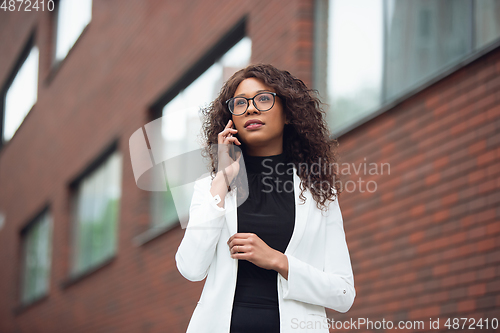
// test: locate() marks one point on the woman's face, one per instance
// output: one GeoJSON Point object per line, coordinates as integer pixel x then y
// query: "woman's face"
{"type": "Point", "coordinates": [266, 139]}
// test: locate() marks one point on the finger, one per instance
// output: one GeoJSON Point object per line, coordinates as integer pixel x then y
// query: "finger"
{"type": "Point", "coordinates": [229, 131]}
{"type": "Point", "coordinates": [240, 255]}
{"type": "Point", "coordinates": [231, 238]}
{"type": "Point", "coordinates": [239, 249]}
{"type": "Point", "coordinates": [237, 235]}
{"type": "Point", "coordinates": [226, 130]}
{"type": "Point", "coordinates": [245, 234]}
{"type": "Point", "coordinates": [230, 139]}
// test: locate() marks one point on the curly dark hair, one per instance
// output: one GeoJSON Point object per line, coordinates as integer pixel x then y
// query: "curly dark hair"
{"type": "Point", "coordinates": [306, 139]}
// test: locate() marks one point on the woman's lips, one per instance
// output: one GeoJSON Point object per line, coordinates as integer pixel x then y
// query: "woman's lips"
{"type": "Point", "coordinates": [254, 126]}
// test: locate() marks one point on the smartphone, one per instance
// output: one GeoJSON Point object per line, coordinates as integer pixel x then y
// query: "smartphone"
{"type": "Point", "coordinates": [231, 148]}
{"type": "Point", "coordinates": [232, 145]}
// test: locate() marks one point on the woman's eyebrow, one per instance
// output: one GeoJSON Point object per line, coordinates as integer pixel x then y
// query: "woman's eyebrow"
{"type": "Point", "coordinates": [258, 91]}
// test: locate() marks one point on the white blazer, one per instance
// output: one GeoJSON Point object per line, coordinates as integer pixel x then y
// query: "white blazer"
{"type": "Point", "coordinates": [319, 266]}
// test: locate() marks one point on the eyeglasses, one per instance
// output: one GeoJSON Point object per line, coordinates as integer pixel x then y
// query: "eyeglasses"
{"type": "Point", "coordinates": [263, 101]}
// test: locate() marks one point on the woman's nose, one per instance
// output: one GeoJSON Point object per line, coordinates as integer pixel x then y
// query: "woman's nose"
{"type": "Point", "coordinates": [251, 107]}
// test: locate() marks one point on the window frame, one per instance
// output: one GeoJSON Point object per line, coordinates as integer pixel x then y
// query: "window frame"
{"type": "Point", "coordinates": [74, 274]}
{"type": "Point", "coordinates": [320, 59]}
{"type": "Point", "coordinates": [45, 216]}
{"type": "Point", "coordinates": [55, 60]}
{"type": "Point", "coordinates": [21, 58]}
{"type": "Point", "coordinates": [211, 57]}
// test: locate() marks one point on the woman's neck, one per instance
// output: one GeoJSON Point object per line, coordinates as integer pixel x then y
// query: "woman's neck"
{"type": "Point", "coordinates": [263, 151]}
{"type": "Point", "coordinates": [265, 164]}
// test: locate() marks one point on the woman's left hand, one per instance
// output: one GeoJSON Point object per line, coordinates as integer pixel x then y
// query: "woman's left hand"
{"type": "Point", "coordinates": [250, 247]}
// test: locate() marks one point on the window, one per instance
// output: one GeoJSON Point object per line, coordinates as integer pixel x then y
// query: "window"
{"type": "Point", "coordinates": [487, 21]}
{"type": "Point", "coordinates": [72, 17]}
{"type": "Point", "coordinates": [36, 243]}
{"type": "Point", "coordinates": [97, 203]}
{"type": "Point", "coordinates": [376, 51]}
{"type": "Point", "coordinates": [181, 125]}
{"type": "Point", "coordinates": [21, 94]}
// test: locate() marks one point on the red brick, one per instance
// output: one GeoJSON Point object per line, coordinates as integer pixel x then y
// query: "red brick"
{"type": "Point", "coordinates": [486, 158]}
{"type": "Point", "coordinates": [486, 245]}
{"type": "Point", "coordinates": [466, 306]}
{"type": "Point", "coordinates": [440, 162]}
{"type": "Point", "coordinates": [459, 128]}
{"type": "Point", "coordinates": [493, 113]}
{"type": "Point", "coordinates": [493, 228]}
{"type": "Point", "coordinates": [441, 269]}
{"type": "Point", "coordinates": [418, 210]}
{"type": "Point", "coordinates": [449, 199]}
{"type": "Point", "coordinates": [441, 216]}
{"type": "Point", "coordinates": [477, 147]}
{"type": "Point", "coordinates": [432, 179]}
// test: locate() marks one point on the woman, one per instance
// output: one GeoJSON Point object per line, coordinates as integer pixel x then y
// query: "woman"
{"type": "Point", "coordinates": [275, 260]}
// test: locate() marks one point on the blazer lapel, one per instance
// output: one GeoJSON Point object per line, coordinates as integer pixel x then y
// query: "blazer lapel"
{"type": "Point", "coordinates": [301, 212]}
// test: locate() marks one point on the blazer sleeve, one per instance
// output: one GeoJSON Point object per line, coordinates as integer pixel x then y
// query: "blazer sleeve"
{"type": "Point", "coordinates": [333, 287]}
{"type": "Point", "coordinates": [206, 220]}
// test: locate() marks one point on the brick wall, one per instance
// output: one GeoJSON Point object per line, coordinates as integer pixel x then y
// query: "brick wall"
{"type": "Point", "coordinates": [130, 54]}
{"type": "Point", "coordinates": [426, 243]}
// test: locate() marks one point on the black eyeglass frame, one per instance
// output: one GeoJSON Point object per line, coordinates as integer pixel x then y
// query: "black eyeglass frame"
{"type": "Point", "coordinates": [253, 101]}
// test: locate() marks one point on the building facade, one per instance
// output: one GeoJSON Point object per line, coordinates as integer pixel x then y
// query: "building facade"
{"type": "Point", "coordinates": [411, 92]}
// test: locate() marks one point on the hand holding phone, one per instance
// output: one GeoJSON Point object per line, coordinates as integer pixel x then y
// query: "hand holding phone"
{"type": "Point", "coordinates": [226, 142]}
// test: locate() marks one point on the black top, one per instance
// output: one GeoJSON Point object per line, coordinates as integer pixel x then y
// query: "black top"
{"type": "Point", "coordinates": [269, 212]}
